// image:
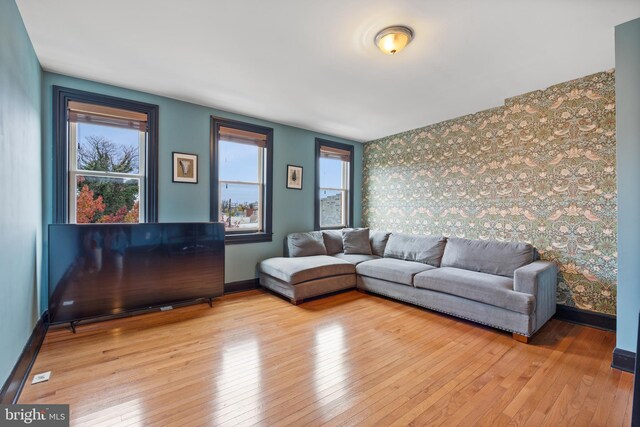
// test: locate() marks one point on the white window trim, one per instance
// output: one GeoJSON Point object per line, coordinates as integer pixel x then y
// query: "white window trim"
{"type": "Point", "coordinates": [261, 186]}
{"type": "Point", "coordinates": [72, 146]}
{"type": "Point", "coordinates": [345, 198]}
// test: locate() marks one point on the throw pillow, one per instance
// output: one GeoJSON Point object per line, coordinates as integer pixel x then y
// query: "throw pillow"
{"type": "Point", "coordinates": [356, 241]}
{"type": "Point", "coordinates": [332, 241]}
{"type": "Point", "coordinates": [306, 244]}
{"type": "Point", "coordinates": [378, 240]}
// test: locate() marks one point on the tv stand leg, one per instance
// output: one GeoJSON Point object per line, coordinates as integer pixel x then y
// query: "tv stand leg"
{"type": "Point", "coordinates": [211, 302]}
{"type": "Point", "coordinates": [73, 324]}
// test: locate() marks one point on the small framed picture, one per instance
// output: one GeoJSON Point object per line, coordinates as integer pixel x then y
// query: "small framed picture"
{"type": "Point", "coordinates": [294, 177]}
{"type": "Point", "coordinates": [185, 168]}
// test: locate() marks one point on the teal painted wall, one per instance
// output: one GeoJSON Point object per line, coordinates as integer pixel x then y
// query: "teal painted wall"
{"type": "Point", "coordinates": [185, 127]}
{"type": "Point", "coordinates": [20, 186]}
{"type": "Point", "coordinates": [628, 161]}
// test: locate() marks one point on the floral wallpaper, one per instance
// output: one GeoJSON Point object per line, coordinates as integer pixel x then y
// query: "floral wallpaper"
{"type": "Point", "coordinates": [539, 169]}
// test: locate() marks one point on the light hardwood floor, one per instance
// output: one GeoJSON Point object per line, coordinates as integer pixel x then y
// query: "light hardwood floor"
{"type": "Point", "coordinates": [348, 359]}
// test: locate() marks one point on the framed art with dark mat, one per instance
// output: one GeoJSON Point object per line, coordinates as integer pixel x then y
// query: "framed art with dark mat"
{"type": "Point", "coordinates": [294, 177]}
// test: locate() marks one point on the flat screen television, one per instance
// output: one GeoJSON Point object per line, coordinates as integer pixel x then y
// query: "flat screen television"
{"type": "Point", "coordinates": [98, 270]}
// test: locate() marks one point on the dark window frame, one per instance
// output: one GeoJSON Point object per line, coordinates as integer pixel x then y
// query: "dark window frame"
{"type": "Point", "coordinates": [237, 237]}
{"type": "Point", "coordinates": [326, 143]}
{"type": "Point", "coordinates": [61, 98]}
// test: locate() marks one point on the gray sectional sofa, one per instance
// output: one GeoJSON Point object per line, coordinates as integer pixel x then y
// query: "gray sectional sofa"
{"type": "Point", "coordinates": [500, 284]}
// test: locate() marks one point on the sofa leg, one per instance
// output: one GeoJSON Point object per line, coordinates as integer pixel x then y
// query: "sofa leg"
{"type": "Point", "coordinates": [521, 338]}
{"type": "Point", "coordinates": [294, 301]}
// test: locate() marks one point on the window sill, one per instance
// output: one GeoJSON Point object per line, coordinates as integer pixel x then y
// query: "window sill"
{"type": "Point", "coordinates": [239, 238]}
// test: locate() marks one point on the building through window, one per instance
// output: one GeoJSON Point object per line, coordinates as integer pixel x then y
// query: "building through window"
{"type": "Point", "coordinates": [334, 178]}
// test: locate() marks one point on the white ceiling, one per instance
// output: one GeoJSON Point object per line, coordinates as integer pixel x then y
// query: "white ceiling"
{"type": "Point", "coordinates": [313, 64]}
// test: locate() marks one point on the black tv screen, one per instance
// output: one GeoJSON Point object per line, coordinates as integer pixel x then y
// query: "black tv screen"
{"type": "Point", "coordinates": [106, 269]}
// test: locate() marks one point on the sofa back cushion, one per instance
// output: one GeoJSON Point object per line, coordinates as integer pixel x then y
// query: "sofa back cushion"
{"type": "Point", "coordinates": [332, 241]}
{"type": "Point", "coordinates": [425, 249]}
{"type": "Point", "coordinates": [487, 256]}
{"type": "Point", "coordinates": [356, 241]}
{"type": "Point", "coordinates": [306, 244]}
{"type": "Point", "coordinates": [378, 241]}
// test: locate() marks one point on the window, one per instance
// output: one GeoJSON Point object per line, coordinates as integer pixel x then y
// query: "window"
{"type": "Point", "coordinates": [334, 178]}
{"type": "Point", "coordinates": [106, 159]}
{"type": "Point", "coordinates": [241, 172]}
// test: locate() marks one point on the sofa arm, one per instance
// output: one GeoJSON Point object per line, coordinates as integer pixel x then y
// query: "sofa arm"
{"type": "Point", "coordinates": [540, 279]}
{"type": "Point", "coordinates": [530, 277]}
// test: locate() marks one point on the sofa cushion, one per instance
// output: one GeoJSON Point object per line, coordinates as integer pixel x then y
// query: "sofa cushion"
{"type": "Point", "coordinates": [487, 256]}
{"type": "Point", "coordinates": [378, 241]}
{"type": "Point", "coordinates": [332, 241]}
{"type": "Point", "coordinates": [425, 249]}
{"type": "Point", "coordinates": [356, 241]}
{"type": "Point", "coordinates": [475, 286]}
{"type": "Point", "coordinates": [392, 270]}
{"type": "Point", "coordinates": [355, 258]}
{"type": "Point", "coordinates": [298, 270]}
{"type": "Point", "coordinates": [306, 244]}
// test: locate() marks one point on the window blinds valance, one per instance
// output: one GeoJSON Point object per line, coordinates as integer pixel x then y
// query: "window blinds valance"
{"type": "Point", "coordinates": [79, 112]}
{"type": "Point", "coordinates": [335, 153]}
{"type": "Point", "coordinates": [242, 136]}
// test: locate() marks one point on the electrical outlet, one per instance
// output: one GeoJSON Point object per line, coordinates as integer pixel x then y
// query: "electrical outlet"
{"type": "Point", "coordinates": [40, 378]}
{"type": "Point", "coordinates": [166, 308]}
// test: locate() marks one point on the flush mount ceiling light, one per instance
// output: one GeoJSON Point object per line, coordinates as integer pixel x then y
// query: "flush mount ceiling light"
{"type": "Point", "coordinates": [392, 40]}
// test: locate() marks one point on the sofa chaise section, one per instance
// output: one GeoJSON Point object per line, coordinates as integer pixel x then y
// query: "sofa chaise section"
{"type": "Point", "coordinates": [306, 277]}
{"type": "Point", "coordinates": [315, 266]}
